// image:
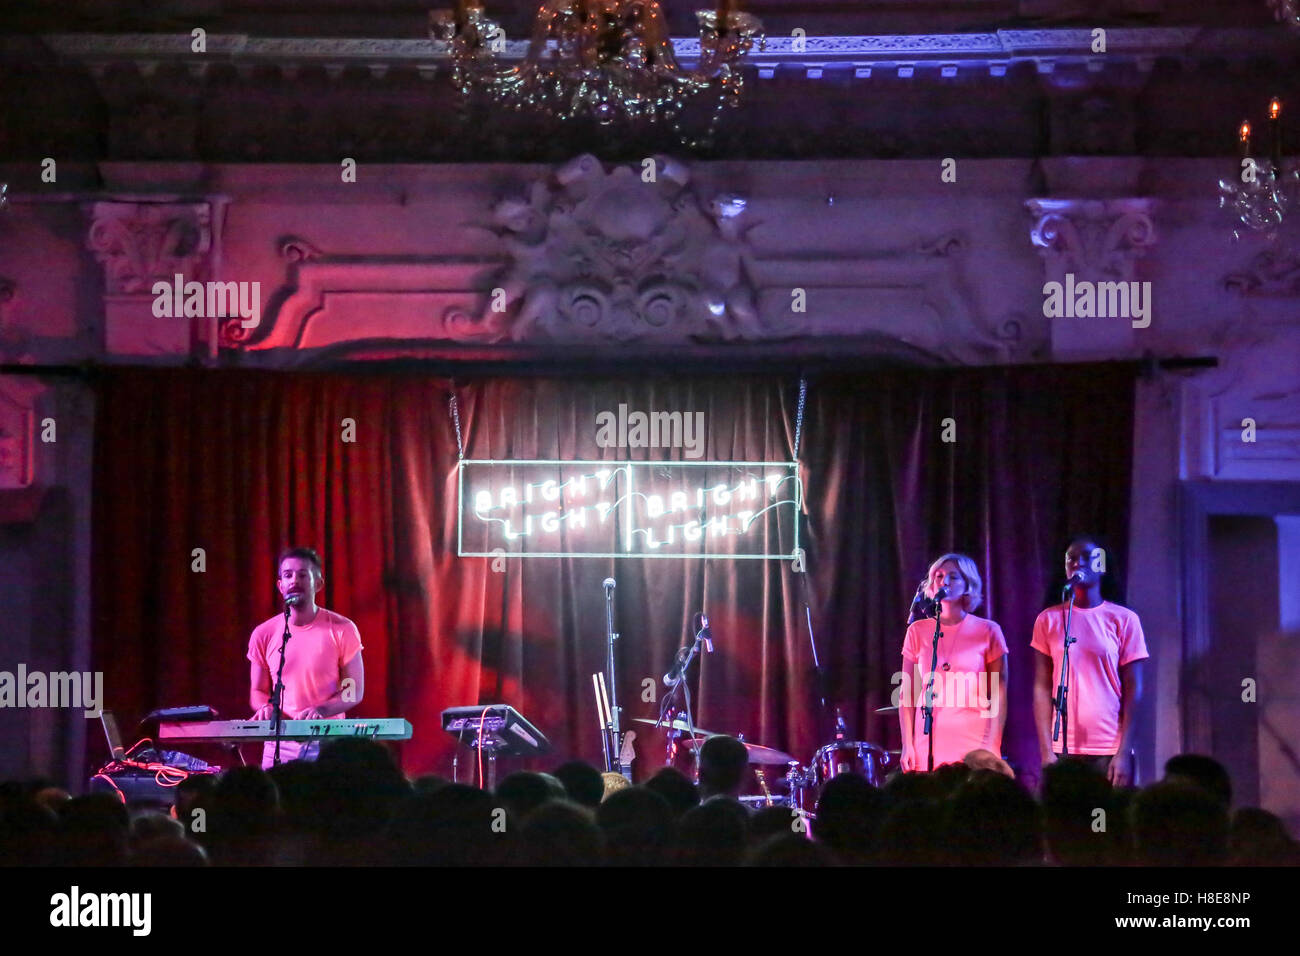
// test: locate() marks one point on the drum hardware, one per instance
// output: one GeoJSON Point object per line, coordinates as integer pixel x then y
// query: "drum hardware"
{"type": "Point", "coordinates": [758, 754]}
{"type": "Point", "coordinates": [676, 724]}
{"type": "Point", "coordinates": [759, 801]}
{"type": "Point", "coordinates": [676, 681]}
{"type": "Point", "coordinates": [801, 782]}
{"type": "Point", "coordinates": [762, 782]}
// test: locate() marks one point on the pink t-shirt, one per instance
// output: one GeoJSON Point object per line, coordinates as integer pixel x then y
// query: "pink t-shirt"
{"type": "Point", "coordinates": [966, 697]}
{"type": "Point", "coordinates": [313, 661]}
{"type": "Point", "coordinates": [1108, 637]}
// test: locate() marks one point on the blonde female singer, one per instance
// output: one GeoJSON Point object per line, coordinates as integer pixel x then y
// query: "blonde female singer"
{"type": "Point", "coordinates": [970, 678]}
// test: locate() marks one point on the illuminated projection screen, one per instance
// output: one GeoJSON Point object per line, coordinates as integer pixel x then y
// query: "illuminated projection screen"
{"type": "Point", "coordinates": [621, 509]}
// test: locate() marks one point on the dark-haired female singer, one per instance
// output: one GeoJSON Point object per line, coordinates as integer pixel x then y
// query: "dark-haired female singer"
{"type": "Point", "coordinates": [1105, 683]}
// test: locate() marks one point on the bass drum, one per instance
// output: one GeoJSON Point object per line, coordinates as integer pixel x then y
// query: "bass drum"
{"type": "Point", "coordinates": [855, 757]}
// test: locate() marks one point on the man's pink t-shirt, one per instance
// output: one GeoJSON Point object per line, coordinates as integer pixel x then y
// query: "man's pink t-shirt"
{"type": "Point", "coordinates": [1108, 637]}
{"type": "Point", "coordinates": [965, 707]}
{"type": "Point", "coordinates": [313, 660]}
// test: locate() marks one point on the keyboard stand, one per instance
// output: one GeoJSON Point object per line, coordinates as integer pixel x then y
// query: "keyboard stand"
{"type": "Point", "coordinates": [490, 748]}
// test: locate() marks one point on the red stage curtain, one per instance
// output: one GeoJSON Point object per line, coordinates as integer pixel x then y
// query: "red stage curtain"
{"type": "Point", "coordinates": [242, 463]}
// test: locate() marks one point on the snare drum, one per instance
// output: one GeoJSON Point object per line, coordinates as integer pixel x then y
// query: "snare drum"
{"type": "Point", "coordinates": [852, 756]}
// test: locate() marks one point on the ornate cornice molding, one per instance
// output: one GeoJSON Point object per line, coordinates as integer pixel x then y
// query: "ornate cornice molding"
{"type": "Point", "coordinates": [1000, 46]}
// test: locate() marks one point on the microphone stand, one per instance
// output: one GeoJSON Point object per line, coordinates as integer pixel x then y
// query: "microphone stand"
{"type": "Point", "coordinates": [681, 683]}
{"type": "Point", "coordinates": [817, 668]}
{"type": "Point", "coordinates": [615, 736]}
{"type": "Point", "coordinates": [928, 708]}
{"type": "Point", "coordinates": [667, 712]}
{"type": "Point", "coordinates": [1061, 722]}
{"type": "Point", "coordinates": [277, 695]}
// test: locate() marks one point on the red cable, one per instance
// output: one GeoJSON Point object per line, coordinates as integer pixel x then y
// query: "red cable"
{"type": "Point", "coordinates": [102, 776]}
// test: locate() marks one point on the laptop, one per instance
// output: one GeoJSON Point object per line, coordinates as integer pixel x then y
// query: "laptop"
{"type": "Point", "coordinates": [112, 735]}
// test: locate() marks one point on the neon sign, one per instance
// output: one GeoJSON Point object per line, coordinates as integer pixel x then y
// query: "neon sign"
{"type": "Point", "coordinates": [628, 509]}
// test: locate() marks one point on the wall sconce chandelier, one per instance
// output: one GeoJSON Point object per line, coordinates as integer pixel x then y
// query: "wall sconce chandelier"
{"type": "Point", "coordinates": [606, 60]}
{"type": "Point", "coordinates": [1260, 191]}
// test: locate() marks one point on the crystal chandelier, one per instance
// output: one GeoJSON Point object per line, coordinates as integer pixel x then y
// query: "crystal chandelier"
{"type": "Point", "coordinates": [1260, 191]}
{"type": "Point", "coordinates": [606, 60]}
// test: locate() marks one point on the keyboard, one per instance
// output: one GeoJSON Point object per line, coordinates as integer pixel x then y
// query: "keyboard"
{"type": "Point", "coordinates": [240, 731]}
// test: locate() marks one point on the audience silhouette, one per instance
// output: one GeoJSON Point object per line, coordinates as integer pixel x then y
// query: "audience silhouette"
{"type": "Point", "coordinates": [354, 807]}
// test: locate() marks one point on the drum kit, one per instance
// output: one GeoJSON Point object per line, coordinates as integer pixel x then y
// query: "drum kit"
{"type": "Point", "coordinates": [801, 785]}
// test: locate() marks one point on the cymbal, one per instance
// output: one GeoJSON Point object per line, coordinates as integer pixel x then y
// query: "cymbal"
{"type": "Point", "coordinates": [675, 724]}
{"type": "Point", "coordinates": [757, 753]}
{"type": "Point", "coordinates": [886, 710]}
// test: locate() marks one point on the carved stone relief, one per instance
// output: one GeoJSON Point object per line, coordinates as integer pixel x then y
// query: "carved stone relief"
{"type": "Point", "coordinates": [1274, 272]}
{"type": "Point", "coordinates": [597, 255]}
{"type": "Point", "coordinates": [608, 257]}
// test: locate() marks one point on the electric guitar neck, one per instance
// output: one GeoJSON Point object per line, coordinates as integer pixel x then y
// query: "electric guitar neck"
{"type": "Point", "coordinates": [626, 754]}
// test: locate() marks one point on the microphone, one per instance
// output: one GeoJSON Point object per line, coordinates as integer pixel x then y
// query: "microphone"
{"type": "Point", "coordinates": [917, 610]}
{"type": "Point", "coordinates": [675, 672]}
{"type": "Point", "coordinates": [292, 600]}
{"type": "Point", "coordinates": [608, 585]}
{"type": "Point", "coordinates": [705, 634]}
{"type": "Point", "coordinates": [1075, 578]}
{"type": "Point", "coordinates": [940, 595]}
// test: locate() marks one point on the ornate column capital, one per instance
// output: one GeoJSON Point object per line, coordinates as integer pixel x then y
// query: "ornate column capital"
{"type": "Point", "coordinates": [140, 241]}
{"type": "Point", "coordinates": [1096, 239]}
{"type": "Point", "coordinates": [1092, 246]}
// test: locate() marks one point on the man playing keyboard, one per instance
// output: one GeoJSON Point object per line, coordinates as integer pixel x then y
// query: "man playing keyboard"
{"type": "Point", "coordinates": [323, 673]}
